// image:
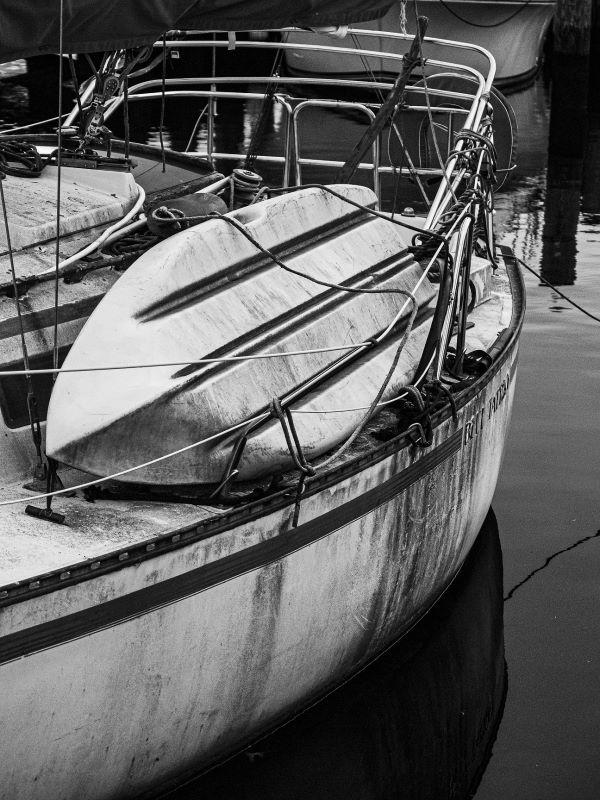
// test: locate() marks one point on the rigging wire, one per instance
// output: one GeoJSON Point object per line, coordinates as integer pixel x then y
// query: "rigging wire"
{"type": "Point", "coordinates": [8, 131]}
{"type": "Point", "coordinates": [34, 420]}
{"type": "Point", "coordinates": [75, 84]}
{"type": "Point", "coordinates": [126, 120]}
{"type": "Point", "coordinates": [441, 162]}
{"type": "Point", "coordinates": [393, 127]}
{"type": "Point", "coordinates": [163, 102]}
{"type": "Point", "coordinates": [58, 180]}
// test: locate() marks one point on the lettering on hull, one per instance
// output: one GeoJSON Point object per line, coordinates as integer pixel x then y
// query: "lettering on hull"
{"type": "Point", "coordinates": [475, 424]}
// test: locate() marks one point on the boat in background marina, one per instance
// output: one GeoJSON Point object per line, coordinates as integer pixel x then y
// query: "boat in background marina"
{"type": "Point", "coordinates": [514, 32]}
{"type": "Point", "coordinates": [274, 434]}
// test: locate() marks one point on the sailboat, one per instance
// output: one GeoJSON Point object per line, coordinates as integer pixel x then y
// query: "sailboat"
{"type": "Point", "coordinates": [251, 427]}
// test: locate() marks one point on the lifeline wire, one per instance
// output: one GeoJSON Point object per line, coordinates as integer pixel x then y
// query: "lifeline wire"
{"type": "Point", "coordinates": [221, 434]}
{"type": "Point", "coordinates": [129, 470]}
{"type": "Point", "coordinates": [554, 289]}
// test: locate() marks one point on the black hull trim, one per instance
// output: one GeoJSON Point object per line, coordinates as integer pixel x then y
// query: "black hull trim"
{"type": "Point", "coordinates": [82, 623]}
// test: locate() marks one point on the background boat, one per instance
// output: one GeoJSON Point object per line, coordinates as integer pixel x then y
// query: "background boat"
{"type": "Point", "coordinates": [513, 32]}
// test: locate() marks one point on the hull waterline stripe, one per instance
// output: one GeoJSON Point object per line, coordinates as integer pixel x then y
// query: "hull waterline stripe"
{"type": "Point", "coordinates": [113, 612]}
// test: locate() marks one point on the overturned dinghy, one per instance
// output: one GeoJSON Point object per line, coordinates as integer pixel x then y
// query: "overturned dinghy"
{"type": "Point", "coordinates": [330, 275]}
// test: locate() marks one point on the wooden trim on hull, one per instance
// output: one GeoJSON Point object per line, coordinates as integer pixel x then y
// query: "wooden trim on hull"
{"type": "Point", "coordinates": [182, 537]}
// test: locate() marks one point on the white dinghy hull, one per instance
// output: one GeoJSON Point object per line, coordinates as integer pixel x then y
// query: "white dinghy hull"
{"type": "Point", "coordinates": [209, 292]}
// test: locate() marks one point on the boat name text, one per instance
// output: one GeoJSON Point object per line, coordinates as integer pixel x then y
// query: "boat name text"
{"type": "Point", "coordinates": [475, 424]}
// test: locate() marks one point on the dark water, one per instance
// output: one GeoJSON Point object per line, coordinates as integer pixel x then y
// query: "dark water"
{"type": "Point", "coordinates": [439, 717]}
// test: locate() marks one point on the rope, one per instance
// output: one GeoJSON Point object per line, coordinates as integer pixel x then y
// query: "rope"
{"type": "Point", "coordinates": [512, 15]}
{"type": "Point", "coordinates": [23, 153]}
{"type": "Point", "coordinates": [554, 289]}
{"type": "Point", "coordinates": [548, 560]}
{"type": "Point", "coordinates": [90, 248]}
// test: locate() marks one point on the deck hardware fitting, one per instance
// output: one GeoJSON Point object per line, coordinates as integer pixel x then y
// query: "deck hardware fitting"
{"type": "Point", "coordinates": [45, 513]}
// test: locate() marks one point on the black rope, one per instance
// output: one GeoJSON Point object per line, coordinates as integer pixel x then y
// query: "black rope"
{"type": "Point", "coordinates": [380, 392]}
{"type": "Point", "coordinates": [554, 289]}
{"type": "Point", "coordinates": [179, 218]}
{"type": "Point", "coordinates": [512, 15]}
{"type": "Point", "coordinates": [525, 580]}
{"type": "Point", "coordinates": [14, 152]}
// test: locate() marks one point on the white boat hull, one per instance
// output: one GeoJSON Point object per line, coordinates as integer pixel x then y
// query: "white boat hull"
{"type": "Point", "coordinates": [172, 655]}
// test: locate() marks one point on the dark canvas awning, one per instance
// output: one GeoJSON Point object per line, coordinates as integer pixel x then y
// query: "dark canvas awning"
{"type": "Point", "coordinates": [31, 27]}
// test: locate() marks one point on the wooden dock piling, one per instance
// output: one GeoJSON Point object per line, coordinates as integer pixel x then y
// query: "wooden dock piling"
{"type": "Point", "coordinates": [572, 27]}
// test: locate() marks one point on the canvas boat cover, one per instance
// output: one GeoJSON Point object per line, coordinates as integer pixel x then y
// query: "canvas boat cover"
{"type": "Point", "coordinates": [31, 27]}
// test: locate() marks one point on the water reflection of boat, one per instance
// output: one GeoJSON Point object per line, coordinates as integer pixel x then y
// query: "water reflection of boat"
{"type": "Point", "coordinates": [418, 724]}
{"type": "Point", "coordinates": [263, 526]}
{"type": "Point", "coordinates": [514, 32]}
